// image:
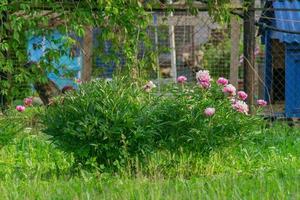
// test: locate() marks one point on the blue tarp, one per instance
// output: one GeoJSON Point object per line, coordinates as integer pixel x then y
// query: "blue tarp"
{"type": "Point", "coordinates": [287, 17]}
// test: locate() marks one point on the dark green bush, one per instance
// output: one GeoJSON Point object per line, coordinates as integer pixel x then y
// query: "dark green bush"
{"type": "Point", "coordinates": [106, 121]}
{"type": "Point", "coordinates": [112, 121]}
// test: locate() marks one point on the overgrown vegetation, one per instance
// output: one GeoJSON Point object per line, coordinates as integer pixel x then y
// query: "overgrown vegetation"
{"type": "Point", "coordinates": [125, 140]}
{"type": "Point", "coordinates": [262, 164]}
{"type": "Point", "coordinates": [115, 122]}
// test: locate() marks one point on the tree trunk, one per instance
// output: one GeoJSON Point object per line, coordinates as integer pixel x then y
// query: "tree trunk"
{"type": "Point", "coordinates": [249, 47]}
{"type": "Point", "coordinates": [47, 91]}
{"type": "Point", "coordinates": [87, 56]}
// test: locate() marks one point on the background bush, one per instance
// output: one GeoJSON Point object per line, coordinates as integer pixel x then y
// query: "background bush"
{"type": "Point", "coordinates": [111, 122]}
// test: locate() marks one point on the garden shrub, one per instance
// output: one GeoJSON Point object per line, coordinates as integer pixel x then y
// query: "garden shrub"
{"type": "Point", "coordinates": [184, 125]}
{"type": "Point", "coordinates": [106, 121]}
{"type": "Point", "coordinates": [112, 121]}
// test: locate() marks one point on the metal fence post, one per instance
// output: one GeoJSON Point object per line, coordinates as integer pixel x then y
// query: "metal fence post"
{"type": "Point", "coordinates": [172, 47]}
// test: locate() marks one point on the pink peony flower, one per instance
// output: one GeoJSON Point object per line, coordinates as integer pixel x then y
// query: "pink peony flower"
{"type": "Point", "coordinates": [209, 111]}
{"type": "Point", "coordinates": [242, 95]}
{"type": "Point", "coordinates": [261, 102]}
{"type": "Point", "coordinates": [230, 89]}
{"type": "Point", "coordinates": [222, 81]}
{"type": "Point", "coordinates": [149, 86]}
{"type": "Point", "coordinates": [28, 101]}
{"type": "Point", "coordinates": [204, 84]}
{"type": "Point", "coordinates": [241, 107]}
{"type": "Point", "coordinates": [20, 108]}
{"type": "Point", "coordinates": [203, 76]}
{"type": "Point", "coordinates": [78, 81]}
{"type": "Point", "coordinates": [181, 79]}
{"type": "Point", "coordinates": [232, 100]}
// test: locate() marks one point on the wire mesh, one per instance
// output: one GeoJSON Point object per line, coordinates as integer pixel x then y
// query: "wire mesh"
{"type": "Point", "coordinates": [278, 65]}
{"type": "Point", "coordinates": [203, 44]}
{"type": "Point", "coordinates": [200, 43]}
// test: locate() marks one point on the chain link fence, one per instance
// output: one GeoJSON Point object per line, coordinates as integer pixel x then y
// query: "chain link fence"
{"type": "Point", "coordinates": [187, 43]}
{"type": "Point", "coordinates": [200, 43]}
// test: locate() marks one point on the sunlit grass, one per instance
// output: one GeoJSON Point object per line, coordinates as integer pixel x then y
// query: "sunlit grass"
{"type": "Point", "coordinates": [261, 165]}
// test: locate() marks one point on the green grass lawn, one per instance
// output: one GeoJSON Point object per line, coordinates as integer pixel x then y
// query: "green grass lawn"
{"type": "Point", "coordinates": [262, 165]}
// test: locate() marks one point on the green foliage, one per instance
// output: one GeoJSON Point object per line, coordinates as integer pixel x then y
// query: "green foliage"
{"type": "Point", "coordinates": [216, 56]}
{"type": "Point", "coordinates": [30, 118]}
{"type": "Point", "coordinates": [25, 152]}
{"type": "Point", "coordinates": [123, 28]}
{"type": "Point", "coordinates": [113, 122]}
{"type": "Point", "coordinates": [106, 121]}
{"type": "Point", "coordinates": [269, 151]}
{"type": "Point", "coordinates": [32, 156]}
{"type": "Point", "coordinates": [182, 123]}
{"type": "Point", "coordinates": [224, 186]}
{"type": "Point", "coordinates": [9, 128]}
{"type": "Point", "coordinates": [219, 9]}
{"type": "Point", "coordinates": [254, 165]}
{"type": "Point", "coordinates": [259, 165]}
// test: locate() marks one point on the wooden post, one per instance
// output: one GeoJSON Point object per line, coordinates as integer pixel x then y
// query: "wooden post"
{"type": "Point", "coordinates": [87, 54]}
{"type": "Point", "coordinates": [249, 48]}
{"type": "Point", "coordinates": [172, 48]}
{"type": "Point", "coordinates": [234, 54]}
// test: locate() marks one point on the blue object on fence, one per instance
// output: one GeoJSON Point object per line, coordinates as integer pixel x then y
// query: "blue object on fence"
{"type": "Point", "coordinates": [283, 17]}
{"type": "Point", "coordinates": [292, 76]}
{"type": "Point", "coordinates": [39, 45]}
{"type": "Point", "coordinates": [286, 18]}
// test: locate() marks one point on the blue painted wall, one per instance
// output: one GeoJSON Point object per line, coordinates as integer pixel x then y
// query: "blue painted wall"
{"type": "Point", "coordinates": [37, 46]}
{"type": "Point", "coordinates": [268, 67]}
{"type": "Point", "coordinates": [280, 14]}
{"type": "Point", "coordinates": [292, 83]}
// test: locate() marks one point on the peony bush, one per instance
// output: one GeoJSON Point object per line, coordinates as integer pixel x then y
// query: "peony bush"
{"type": "Point", "coordinates": [107, 122]}
{"type": "Point", "coordinates": [111, 122]}
{"type": "Point", "coordinates": [203, 116]}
